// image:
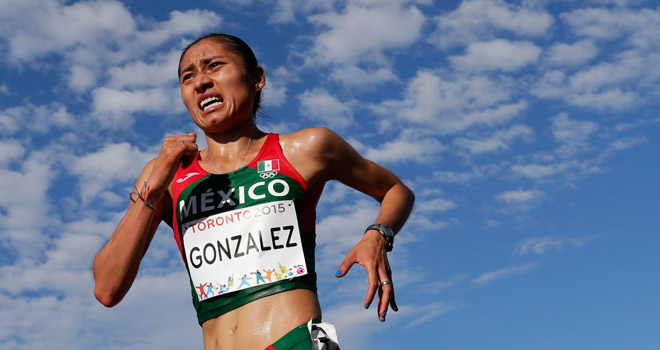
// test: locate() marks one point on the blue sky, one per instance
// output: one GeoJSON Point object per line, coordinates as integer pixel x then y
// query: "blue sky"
{"type": "Point", "coordinates": [527, 129]}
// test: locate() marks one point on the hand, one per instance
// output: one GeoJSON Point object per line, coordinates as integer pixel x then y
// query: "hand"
{"type": "Point", "coordinates": [175, 150]}
{"type": "Point", "coordinates": [370, 253]}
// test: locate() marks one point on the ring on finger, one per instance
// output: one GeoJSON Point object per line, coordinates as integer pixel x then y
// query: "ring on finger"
{"type": "Point", "coordinates": [385, 282]}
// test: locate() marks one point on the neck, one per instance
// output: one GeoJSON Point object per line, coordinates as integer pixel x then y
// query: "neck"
{"type": "Point", "coordinates": [233, 149]}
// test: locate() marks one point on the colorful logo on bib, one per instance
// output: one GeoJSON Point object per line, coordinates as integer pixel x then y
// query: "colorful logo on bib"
{"type": "Point", "coordinates": [268, 168]}
{"type": "Point", "coordinates": [210, 289]}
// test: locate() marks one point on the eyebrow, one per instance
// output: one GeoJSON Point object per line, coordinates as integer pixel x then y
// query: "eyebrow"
{"type": "Point", "coordinates": [204, 61]}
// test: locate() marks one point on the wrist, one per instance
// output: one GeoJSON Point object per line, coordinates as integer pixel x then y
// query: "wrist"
{"type": "Point", "coordinates": [385, 232]}
{"type": "Point", "coordinates": [146, 195]}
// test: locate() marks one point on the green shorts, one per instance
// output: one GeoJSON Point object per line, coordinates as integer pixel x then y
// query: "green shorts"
{"type": "Point", "coordinates": [297, 339]}
{"type": "Point", "coordinates": [300, 338]}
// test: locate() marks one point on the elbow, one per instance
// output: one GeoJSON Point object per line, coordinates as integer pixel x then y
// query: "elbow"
{"type": "Point", "coordinates": [106, 297]}
{"type": "Point", "coordinates": [408, 195]}
{"type": "Point", "coordinates": [410, 198]}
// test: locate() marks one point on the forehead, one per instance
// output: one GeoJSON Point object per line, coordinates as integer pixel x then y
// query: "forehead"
{"type": "Point", "coordinates": [205, 49]}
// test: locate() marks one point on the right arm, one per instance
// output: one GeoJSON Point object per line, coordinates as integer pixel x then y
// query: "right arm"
{"type": "Point", "coordinates": [116, 265]}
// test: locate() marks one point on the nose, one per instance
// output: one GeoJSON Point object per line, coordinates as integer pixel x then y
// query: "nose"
{"type": "Point", "coordinates": [202, 82]}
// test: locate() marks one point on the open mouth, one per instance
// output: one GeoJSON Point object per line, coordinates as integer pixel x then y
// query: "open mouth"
{"type": "Point", "coordinates": [210, 102]}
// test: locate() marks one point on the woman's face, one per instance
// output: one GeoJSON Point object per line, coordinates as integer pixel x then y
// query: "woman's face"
{"type": "Point", "coordinates": [216, 88]}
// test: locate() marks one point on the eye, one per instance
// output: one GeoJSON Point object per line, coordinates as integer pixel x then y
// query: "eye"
{"type": "Point", "coordinates": [215, 64]}
{"type": "Point", "coordinates": [186, 76]}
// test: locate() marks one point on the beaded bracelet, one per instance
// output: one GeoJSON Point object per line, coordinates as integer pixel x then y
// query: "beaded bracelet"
{"type": "Point", "coordinates": [135, 191]}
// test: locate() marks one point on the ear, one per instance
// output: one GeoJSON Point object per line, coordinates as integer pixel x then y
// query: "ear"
{"type": "Point", "coordinates": [259, 79]}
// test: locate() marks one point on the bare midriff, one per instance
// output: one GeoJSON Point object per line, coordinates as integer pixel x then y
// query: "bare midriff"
{"type": "Point", "coordinates": [261, 322]}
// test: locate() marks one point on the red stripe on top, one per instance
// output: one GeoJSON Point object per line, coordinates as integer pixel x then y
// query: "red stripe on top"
{"type": "Point", "coordinates": [272, 150]}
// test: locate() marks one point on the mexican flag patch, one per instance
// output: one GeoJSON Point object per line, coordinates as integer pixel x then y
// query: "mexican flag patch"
{"type": "Point", "coordinates": [268, 165]}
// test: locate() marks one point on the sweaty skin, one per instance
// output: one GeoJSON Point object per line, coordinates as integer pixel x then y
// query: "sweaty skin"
{"type": "Point", "coordinates": [261, 322]}
{"type": "Point", "coordinates": [208, 70]}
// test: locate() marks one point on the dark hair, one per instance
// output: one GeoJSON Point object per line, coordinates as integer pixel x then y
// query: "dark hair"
{"type": "Point", "coordinates": [237, 46]}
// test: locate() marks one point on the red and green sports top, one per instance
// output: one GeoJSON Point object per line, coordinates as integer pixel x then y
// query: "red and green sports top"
{"type": "Point", "coordinates": [198, 195]}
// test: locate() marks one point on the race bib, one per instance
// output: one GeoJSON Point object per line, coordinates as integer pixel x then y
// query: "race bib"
{"type": "Point", "coordinates": [244, 248]}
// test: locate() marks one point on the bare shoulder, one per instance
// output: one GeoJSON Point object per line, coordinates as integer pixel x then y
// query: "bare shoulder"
{"type": "Point", "coordinates": [316, 144]}
{"type": "Point", "coordinates": [312, 151]}
{"type": "Point", "coordinates": [310, 140]}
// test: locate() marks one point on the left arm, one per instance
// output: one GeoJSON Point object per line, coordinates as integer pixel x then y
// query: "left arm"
{"type": "Point", "coordinates": [396, 202]}
{"type": "Point", "coordinates": [335, 159]}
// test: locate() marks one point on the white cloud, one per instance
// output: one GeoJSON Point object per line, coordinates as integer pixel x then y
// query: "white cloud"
{"type": "Point", "coordinates": [179, 23]}
{"type": "Point", "coordinates": [88, 29]}
{"type": "Point", "coordinates": [456, 177]}
{"type": "Point", "coordinates": [113, 108]}
{"type": "Point", "coordinates": [541, 245]}
{"type": "Point", "coordinates": [608, 24]}
{"type": "Point", "coordinates": [11, 150]}
{"type": "Point", "coordinates": [274, 96]}
{"type": "Point", "coordinates": [76, 312]}
{"type": "Point", "coordinates": [463, 177]}
{"type": "Point", "coordinates": [537, 171]}
{"type": "Point", "coordinates": [361, 33]}
{"type": "Point", "coordinates": [434, 205]}
{"type": "Point", "coordinates": [424, 313]}
{"type": "Point", "coordinates": [319, 105]}
{"type": "Point", "coordinates": [451, 106]}
{"type": "Point", "coordinates": [62, 27]}
{"type": "Point", "coordinates": [498, 54]}
{"type": "Point", "coordinates": [619, 145]}
{"type": "Point", "coordinates": [595, 88]}
{"type": "Point", "coordinates": [287, 11]}
{"type": "Point", "coordinates": [352, 75]}
{"type": "Point", "coordinates": [475, 20]}
{"type": "Point", "coordinates": [519, 196]}
{"type": "Point", "coordinates": [41, 119]}
{"type": "Point", "coordinates": [354, 325]}
{"type": "Point", "coordinates": [605, 74]}
{"type": "Point", "coordinates": [573, 134]}
{"type": "Point", "coordinates": [561, 54]}
{"type": "Point", "coordinates": [81, 78]}
{"type": "Point", "coordinates": [160, 72]}
{"type": "Point", "coordinates": [405, 150]}
{"type": "Point", "coordinates": [623, 80]}
{"type": "Point", "coordinates": [110, 165]}
{"type": "Point", "coordinates": [350, 323]}
{"type": "Point", "coordinates": [493, 276]}
{"type": "Point", "coordinates": [500, 139]}
{"type": "Point", "coordinates": [25, 208]}
{"type": "Point", "coordinates": [275, 93]}
{"type": "Point", "coordinates": [615, 99]}
{"type": "Point", "coordinates": [442, 285]}
{"type": "Point", "coordinates": [338, 233]}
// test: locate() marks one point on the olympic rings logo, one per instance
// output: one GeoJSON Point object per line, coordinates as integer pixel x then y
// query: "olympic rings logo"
{"type": "Point", "coordinates": [268, 174]}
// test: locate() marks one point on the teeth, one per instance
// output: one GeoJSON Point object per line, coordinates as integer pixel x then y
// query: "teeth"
{"type": "Point", "coordinates": [210, 102]}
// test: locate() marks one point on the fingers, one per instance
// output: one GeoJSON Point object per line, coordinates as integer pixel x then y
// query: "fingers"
{"type": "Point", "coordinates": [345, 266]}
{"type": "Point", "coordinates": [175, 149]}
{"type": "Point", "coordinates": [372, 278]}
{"type": "Point", "coordinates": [378, 271]}
{"type": "Point", "coordinates": [385, 299]}
{"type": "Point", "coordinates": [385, 291]}
{"type": "Point", "coordinates": [190, 148]}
